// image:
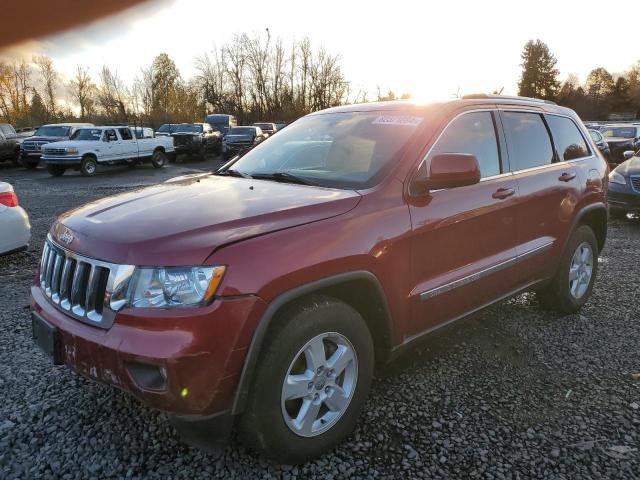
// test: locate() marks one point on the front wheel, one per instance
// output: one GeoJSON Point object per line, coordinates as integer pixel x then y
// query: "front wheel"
{"type": "Point", "coordinates": [573, 283]}
{"type": "Point", "coordinates": [55, 170]}
{"type": "Point", "coordinates": [311, 381]}
{"type": "Point", "coordinates": [158, 159]}
{"type": "Point", "coordinates": [88, 167]}
{"type": "Point", "coordinates": [30, 164]}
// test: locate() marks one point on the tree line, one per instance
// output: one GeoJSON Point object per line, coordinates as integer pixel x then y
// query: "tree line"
{"type": "Point", "coordinates": [258, 78]}
{"type": "Point", "coordinates": [603, 95]}
{"type": "Point", "coordinates": [253, 77]}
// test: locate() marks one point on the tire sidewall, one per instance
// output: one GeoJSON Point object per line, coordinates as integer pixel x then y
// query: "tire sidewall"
{"type": "Point", "coordinates": [323, 317]}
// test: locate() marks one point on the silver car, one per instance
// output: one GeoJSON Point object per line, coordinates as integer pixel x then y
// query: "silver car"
{"type": "Point", "coordinates": [15, 229]}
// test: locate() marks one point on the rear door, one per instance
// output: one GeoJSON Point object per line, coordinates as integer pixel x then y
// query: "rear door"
{"type": "Point", "coordinates": [127, 145]}
{"type": "Point", "coordinates": [548, 185]}
{"type": "Point", "coordinates": [463, 238]}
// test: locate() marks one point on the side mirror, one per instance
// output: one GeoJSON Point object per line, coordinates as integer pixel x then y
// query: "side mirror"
{"type": "Point", "coordinates": [450, 170]}
{"type": "Point", "coordinates": [628, 154]}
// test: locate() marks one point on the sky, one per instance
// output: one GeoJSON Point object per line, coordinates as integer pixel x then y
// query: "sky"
{"type": "Point", "coordinates": [429, 49]}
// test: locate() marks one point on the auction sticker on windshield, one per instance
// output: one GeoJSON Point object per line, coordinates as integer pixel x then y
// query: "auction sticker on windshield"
{"type": "Point", "coordinates": [397, 120]}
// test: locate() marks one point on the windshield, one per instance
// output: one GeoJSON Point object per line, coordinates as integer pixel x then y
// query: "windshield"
{"type": "Point", "coordinates": [343, 150]}
{"type": "Point", "coordinates": [241, 131]}
{"type": "Point", "coordinates": [87, 134]}
{"type": "Point", "coordinates": [625, 132]}
{"type": "Point", "coordinates": [188, 128]}
{"type": "Point", "coordinates": [53, 131]}
{"type": "Point", "coordinates": [167, 128]}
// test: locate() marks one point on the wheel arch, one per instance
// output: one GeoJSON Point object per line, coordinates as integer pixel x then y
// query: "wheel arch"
{"type": "Point", "coordinates": [595, 216]}
{"type": "Point", "coordinates": [365, 295]}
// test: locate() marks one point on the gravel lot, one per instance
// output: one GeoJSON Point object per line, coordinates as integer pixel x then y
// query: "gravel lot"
{"type": "Point", "coordinates": [512, 393]}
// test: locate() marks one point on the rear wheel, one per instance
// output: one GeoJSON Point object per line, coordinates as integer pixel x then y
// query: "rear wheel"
{"type": "Point", "coordinates": [573, 283]}
{"type": "Point", "coordinates": [88, 166]}
{"type": "Point", "coordinates": [311, 381]}
{"type": "Point", "coordinates": [55, 170]}
{"type": "Point", "coordinates": [158, 159]}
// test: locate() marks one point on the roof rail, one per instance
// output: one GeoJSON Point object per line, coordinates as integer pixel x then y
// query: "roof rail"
{"type": "Point", "coordinates": [476, 96]}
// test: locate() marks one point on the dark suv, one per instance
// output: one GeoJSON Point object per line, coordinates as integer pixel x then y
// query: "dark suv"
{"type": "Point", "coordinates": [285, 277]}
{"type": "Point", "coordinates": [196, 139]}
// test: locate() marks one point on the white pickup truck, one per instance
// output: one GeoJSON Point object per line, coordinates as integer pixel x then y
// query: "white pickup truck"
{"type": "Point", "coordinates": [90, 146]}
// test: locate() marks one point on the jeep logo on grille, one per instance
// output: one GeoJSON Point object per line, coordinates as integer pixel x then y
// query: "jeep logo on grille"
{"type": "Point", "coordinates": [66, 236]}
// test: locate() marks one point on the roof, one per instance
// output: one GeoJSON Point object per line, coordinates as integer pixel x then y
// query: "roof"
{"type": "Point", "coordinates": [475, 99]}
{"type": "Point", "coordinates": [70, 124]}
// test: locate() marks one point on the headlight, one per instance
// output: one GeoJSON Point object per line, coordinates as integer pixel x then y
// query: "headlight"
{"type": "Point", "coordinates": [168, 287]}
{"type": "Point", "coordinates": [71, 151]}
{"type": "Point", "coordinates": [615, 177]}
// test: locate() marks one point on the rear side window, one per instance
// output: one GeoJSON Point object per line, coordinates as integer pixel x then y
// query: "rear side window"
{"type": "Point", "coordinates": [567, 138]}
{"type": "Point", "coordinates": [528, 140]}
{"type": "Point", "coordinates": [472, 133]}
{"type": "Point", "coordinates": [125, 133]}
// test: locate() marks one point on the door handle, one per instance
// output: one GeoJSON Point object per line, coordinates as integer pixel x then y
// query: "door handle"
{"type": "Point", "coordinates": [503, 193]}
{"type": "Point", "coordinates": [567, 177]}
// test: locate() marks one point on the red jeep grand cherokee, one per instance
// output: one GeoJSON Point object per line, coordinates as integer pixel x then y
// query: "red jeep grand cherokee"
{"type": "Point", "coordinates": [261, 295]}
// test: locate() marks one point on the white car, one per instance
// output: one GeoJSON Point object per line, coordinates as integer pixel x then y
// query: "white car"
{"type": "Point", "coordinates": [91, 146]}
{"type": "Point", "coordinates": [15, 229]}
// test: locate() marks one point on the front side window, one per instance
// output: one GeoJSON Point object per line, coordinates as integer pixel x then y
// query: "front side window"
{"type": "Point", "coordinates": [567, 138]}
{"type": "Point", "coordinates": [473, 133]}
{"type": "Point", "coordinates": [349, 150]}
{"type": "Point", "coordinates": [86, 134]}
{"type": "Point", "coordinates": [125, 133]}
{"type": "Point", "coordinates": [528, 140]}
{"type": "Point", "coordinates": [110, 136]}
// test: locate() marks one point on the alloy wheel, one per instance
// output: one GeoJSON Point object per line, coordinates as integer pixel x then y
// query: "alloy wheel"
{"type": "Point", "coordinates": [319, 384]}
{"type": "Point", "coordinates": [581, 270]}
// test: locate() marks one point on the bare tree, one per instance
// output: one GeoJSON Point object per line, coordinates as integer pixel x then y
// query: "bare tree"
{"type": "Point", "coordinates": [113, 96]}
{"type": "Point", "coordinates": [49, 83]}
{"type": "Point", "coordinates": [83, 91]}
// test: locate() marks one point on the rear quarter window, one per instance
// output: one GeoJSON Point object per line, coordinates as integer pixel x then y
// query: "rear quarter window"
{"type": "Point", "coordinates": [568, 140]}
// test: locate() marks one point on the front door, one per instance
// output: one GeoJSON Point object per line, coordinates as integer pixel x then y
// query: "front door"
{"type": "Point", "coordinates": [463, 238]}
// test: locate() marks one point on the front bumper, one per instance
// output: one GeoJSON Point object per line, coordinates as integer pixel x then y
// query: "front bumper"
{"type": "Point", "coordinates": [200, 352]}
{"type": "Point", "coordinates": [623, 198]}
{"type": "Point", "coordinates": [61, 159]}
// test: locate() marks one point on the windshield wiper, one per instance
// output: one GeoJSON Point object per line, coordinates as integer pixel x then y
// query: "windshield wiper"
{"type": "Point", "coordinates": [230, 172]}
{"type": "Point", "coordinates": [284, 177]}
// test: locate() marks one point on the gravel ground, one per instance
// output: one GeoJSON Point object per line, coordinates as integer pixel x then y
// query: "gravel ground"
{"type": "Point", "coordinates": [511, 393]}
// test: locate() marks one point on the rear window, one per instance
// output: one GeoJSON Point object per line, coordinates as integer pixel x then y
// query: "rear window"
{"type": "Point", "coordinates": [624, 132]}
{"type": "Point", "coordinates": [528, 140]}
{"type": "Point", "coordinates": [567, 138]}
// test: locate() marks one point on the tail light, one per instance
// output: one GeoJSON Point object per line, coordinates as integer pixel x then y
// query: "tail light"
{"type": "Point", "coordinates": [9, 199]}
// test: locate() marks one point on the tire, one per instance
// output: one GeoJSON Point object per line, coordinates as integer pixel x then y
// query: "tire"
{"type": "Point", "coordinates": [30, 164]}
{"type": "Point", "coordinates": [15, 158]}
{"type": "Point", "coordinates": [158, 159]}
{"type": "Point", "coordinates": [55, 170]}
{"type": "Point", "coordinates": [268, 425]}
{"type": "Point", "coordinates": [88, 166]}
{"type": "Point", "coordinates": [580, 258]}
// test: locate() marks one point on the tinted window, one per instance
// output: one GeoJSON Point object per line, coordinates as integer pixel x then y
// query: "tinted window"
{"type": "Point", "coordinates": [567, 138]}
{"type": "Point", "coordinates": [529, 142]}
{"type": "Point", "coordinates": [472, 133]}
{"type": "Point", "coordinates": [125, 133]}
{"type": "Point", "coordinates": [110, 135]}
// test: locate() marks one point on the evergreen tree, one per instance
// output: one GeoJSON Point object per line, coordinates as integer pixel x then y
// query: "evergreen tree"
{"type": "Point", "coordinates": [539, 72]}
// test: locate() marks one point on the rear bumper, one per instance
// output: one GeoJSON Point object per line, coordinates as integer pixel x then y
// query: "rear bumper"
{"type": "Point", "coordinates": [199, 353]}
{"type": "Point", "coordinates": [14, 223]}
